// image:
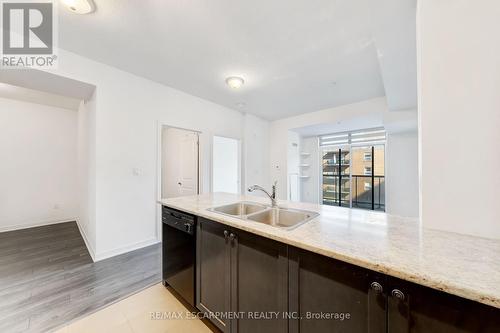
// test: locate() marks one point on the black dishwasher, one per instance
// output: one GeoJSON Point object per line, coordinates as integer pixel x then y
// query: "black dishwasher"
{"type": "Point", "coordinates": [179, 252]}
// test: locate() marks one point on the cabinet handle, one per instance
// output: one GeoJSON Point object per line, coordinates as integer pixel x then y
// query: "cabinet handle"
{"type": "Point", "coordinates": [226, 234]}
{"type": "Point", "coordinates": [377, 287]}
{"type": "Point", "coordinates": [232, 237]}
{"type": "Point", "coordinates": [398, 294]}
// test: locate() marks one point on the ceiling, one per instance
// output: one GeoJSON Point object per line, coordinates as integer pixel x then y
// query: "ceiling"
{"type": "Point", "coordinates": [351, 124]}
{"type": "Point", "coordinates": [296, 56]}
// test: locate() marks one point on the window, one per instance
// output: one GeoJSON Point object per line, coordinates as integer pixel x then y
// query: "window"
{"type": "Point", "coordinates": [353, 172]}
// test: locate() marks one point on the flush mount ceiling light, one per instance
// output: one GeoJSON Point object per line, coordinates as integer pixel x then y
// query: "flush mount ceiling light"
{"type": "Point", "coordinates": [234, 82]}
{"type": "Point", "coordinates": [80, 6]}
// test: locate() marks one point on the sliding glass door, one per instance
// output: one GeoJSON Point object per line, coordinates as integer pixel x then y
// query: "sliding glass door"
{"type": "Point", "coordinates": [336, 176]}
{"type": "Point", "coordinates": [353, 169]}
{"type": "Point", "coordinates": [368, 177]}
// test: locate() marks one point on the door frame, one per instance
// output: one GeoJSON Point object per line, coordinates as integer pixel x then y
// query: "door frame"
{"type": "Point", "coordinates": [159, 154]}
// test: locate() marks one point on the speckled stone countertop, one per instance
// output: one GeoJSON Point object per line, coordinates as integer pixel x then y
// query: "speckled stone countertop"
{"type": "Point", "coordinates": [462, 265]}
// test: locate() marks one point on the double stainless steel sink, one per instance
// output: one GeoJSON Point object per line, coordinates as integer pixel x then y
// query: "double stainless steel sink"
{"type": "Point", "coordinates": [284, 218]}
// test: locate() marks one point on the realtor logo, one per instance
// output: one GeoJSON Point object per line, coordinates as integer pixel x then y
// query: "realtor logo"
{"type": "Point", "coordinates": [28, 34]}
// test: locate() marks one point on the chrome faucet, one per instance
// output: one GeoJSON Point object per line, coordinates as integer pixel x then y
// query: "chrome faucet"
{"type": "Point", "coordinates": [271, 196]}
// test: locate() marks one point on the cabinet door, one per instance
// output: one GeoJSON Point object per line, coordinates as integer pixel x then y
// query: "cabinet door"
{"type": "Point", "coordinates": [332, 296]}
{"type": "Point", "coordinates": [213, 271]}
{"type": "Point", "coordinates": [418, 309]}
{"type": "Point", "coordinates": [259, 274]}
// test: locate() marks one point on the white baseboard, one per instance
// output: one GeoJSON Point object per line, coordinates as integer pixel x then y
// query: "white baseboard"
{"type": "Point", "coordinates": [90, 248]}
{"type": "Point", "coordinates": [95, 257]}
{"type": "Point", "coordinates": [125, 249]}
{"type": "Point", "coordinates": [32, 225]}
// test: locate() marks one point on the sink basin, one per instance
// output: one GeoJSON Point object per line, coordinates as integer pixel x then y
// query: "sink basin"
{"type": "Point", "coordinates": [239, 209]}
{"type": "Point", "coordinates": [283, 217]}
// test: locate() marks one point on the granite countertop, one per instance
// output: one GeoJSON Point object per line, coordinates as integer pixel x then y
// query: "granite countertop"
{"type": "Point", "coordinates": [462, 265]}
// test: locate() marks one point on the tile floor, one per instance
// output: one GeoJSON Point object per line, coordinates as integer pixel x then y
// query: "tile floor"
{"type": "Point", "coordinates": [133, 315]}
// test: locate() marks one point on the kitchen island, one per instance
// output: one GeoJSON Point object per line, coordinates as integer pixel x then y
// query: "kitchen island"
{"type": "Point", "coordinates": [399, 262]}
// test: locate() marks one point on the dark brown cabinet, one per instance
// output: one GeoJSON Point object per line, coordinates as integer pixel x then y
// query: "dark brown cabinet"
{"type": "Point", "coordinates": [375, 302]}
{"type": "Point", "coordinates": [332, 296]}
{"type": "Point", "coordinates": [414, 308]}
{"type": "Point", "coordinates": [213, 272]}
{"type": "Point", "coordinates": [242, 276]}
{"type": "Point", "coordinates": [259, 287]}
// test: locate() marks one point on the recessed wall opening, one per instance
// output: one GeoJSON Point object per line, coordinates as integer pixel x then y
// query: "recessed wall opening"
{"type": "Point", "coordinates": [356, 162]}
{"type": "Point", "coordinates": [39, 149]}
{"type": "Point", "coordinates": [47, 124]}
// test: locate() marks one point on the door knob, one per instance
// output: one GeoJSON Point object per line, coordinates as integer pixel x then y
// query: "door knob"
{"type": "Point", "coordinates": [232, 237]}
{"type": "Point", "coordinates": [398, 294]}
{"type": "Point", "coordinates": [377, 287]}
{"type": "Point", "coordinates": [226, 234]}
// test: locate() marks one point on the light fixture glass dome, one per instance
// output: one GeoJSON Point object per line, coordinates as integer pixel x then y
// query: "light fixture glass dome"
{"type": "Point", "coordinates": [80, 6]}
{"type": "Point", "coordinates": [234, 82]}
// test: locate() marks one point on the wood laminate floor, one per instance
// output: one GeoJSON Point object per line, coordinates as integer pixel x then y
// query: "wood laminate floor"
{"type": "Point", "coordinates": [47, 278]}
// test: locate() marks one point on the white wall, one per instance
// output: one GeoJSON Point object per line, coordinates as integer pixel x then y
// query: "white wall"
{"type": "Point", "coordinates": [127, 116]}
{"type": "Point", "coordinates": [86, 170]}
{"type": "Point", "coordinates": [255, 152]}
{"type": "Point", "coordinates": [38, 147]}
{"type": "Point", "coordinates": [459, 110]}
{"type": "Point", "coordinates": [18, 93]}
{"type": "Point", "coordinates": [401, 170]}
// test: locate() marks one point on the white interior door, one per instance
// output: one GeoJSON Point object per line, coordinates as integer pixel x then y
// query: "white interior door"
{"type": "Point", "coordinates": [179, 162]}
{"type": "Point", "coordinates": [188, 175]}
{"type": "Point", "coordinates": [226, 165]}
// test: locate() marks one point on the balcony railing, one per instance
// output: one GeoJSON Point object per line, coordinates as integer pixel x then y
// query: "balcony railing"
{"type": "Point", "coordinates": [335, 163]}
{"type": "Point", "coordinates": [368, 192]}
{"type": "Point", "coordinates": [371, 196]}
